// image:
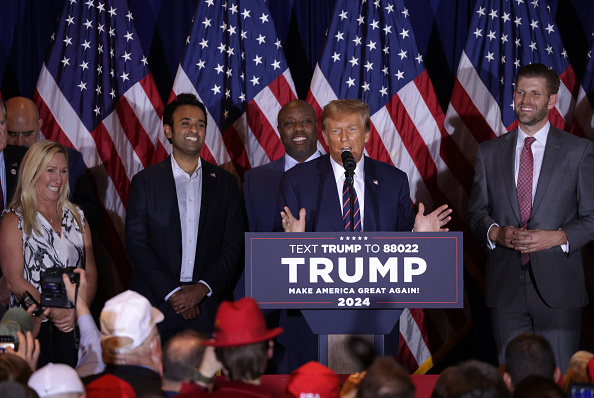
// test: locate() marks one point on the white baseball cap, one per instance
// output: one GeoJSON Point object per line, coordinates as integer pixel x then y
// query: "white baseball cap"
{"type": "Point", "coordinates": [55, 378]}
{"type": "Point", "coordinates": [129, 314]}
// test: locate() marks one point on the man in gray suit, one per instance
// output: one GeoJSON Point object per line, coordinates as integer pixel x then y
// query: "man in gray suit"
{"type": "Point", "coordinates": [532, 203]}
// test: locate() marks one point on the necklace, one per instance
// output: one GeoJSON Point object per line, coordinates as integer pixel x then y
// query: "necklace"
{"type": "Point", "coordinates": [51, 219]}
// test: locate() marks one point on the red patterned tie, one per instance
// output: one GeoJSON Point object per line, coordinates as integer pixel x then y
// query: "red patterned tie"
{"type": "Point", "coordinates": [525, 187]}
{"type": "Point", "coordinates": [346, 209]}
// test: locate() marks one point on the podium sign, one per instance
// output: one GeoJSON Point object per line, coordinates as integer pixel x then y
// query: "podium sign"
{"type": "Point", "coordinates": [342, 270]}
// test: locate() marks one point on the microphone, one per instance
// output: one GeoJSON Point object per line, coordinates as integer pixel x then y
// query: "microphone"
{"type": "Point", "coordinates": [348, 162]}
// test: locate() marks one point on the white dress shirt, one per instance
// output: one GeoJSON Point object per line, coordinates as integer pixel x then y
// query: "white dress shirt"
{"type": "Point", "coordinates": [189, 196]}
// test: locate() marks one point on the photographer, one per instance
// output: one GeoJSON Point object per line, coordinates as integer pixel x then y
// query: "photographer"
{"type": "Point", "coordinates": [23, 328]}
{"type": "Point", "coordinates": [89, 361]}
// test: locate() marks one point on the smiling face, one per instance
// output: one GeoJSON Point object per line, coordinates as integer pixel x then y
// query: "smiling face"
{"type": "Point", "coordinates": [298, 130]}
{"type": "Point", "coordinates": [188, 132]}
{"type": "Point", "coordinates": [532, 103]}
{"type": "Point", "coordinates": [345, 132]}
{"type": "Point", "coordinates": [52, 179]}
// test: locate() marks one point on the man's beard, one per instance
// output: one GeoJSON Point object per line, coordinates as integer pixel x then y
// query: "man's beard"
{"type": "Point", "coordinates": [540, 114]}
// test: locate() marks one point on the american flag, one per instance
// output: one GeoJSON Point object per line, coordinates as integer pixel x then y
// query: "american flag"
{"type": "Point", "coordinates": [95, 94]}
{"type": "Point", "coordinates": [503, 37]}
{"type": "Point", "coordinates": [371, 54]}
{"type": "Point", "coordinates": [584, 112]}
{"type": "Point", "coordinates": [234, 62]}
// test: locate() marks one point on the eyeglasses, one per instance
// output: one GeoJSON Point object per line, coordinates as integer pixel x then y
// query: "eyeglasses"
{"type": "Point", "coordinates": [24, 134]}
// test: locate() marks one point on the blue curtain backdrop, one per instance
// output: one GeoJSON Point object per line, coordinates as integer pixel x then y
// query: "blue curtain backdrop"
{"type": "Point", "coordinates": [441, 28]}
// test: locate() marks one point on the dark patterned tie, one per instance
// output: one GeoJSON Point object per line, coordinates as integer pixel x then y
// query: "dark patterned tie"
{"type": "Point", "coordinates": [525, 187]}
{"type": "Point", "coordinates": [346, 209]}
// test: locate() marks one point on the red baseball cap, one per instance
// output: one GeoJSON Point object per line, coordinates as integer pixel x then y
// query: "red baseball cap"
{"type": "Point", "coordinates": [240, 323]}
{"type": "Point", "coordinates": [313, 379]}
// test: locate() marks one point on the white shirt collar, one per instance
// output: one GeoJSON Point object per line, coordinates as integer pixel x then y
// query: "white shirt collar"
{"type": "Point", "coordinates": [290, 162]}
{"type": "Point", "coordinates": [540, 136]}
{"type": "Point", "coordinates": [339, 170]}
{"type": "Point", "coordinates": [177, 169]}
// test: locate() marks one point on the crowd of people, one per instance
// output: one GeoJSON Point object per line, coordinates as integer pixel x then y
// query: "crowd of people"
{"type": "Point", "coordinates": [125, 358]}
{"type": "Point", "coordinates": [184, 234]}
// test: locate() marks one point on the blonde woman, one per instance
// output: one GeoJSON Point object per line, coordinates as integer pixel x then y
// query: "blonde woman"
{"type": "Point", "coordinates": [39, 230]}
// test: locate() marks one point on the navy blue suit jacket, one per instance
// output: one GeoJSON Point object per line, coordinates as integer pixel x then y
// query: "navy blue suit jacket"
{"type": "Point", "coordinates": [312, 186]}
{"type": "Point", "coordinates": [260, 191]}
{"type": "Point", "coordinates": [154, 245]}
{"type": "Point", "coordinates": [80, 188]}
{"type": "Point", "coordinates": [13, 156]}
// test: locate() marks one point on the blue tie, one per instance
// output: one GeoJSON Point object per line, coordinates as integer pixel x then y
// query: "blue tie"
{"type": "Point", "coordinates": [346, 209]}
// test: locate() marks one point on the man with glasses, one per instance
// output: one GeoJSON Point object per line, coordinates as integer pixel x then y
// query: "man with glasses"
{"type": "Point", "coordinates": [10, 160]}
{"type": "Point", "coordinates": [24, 129]}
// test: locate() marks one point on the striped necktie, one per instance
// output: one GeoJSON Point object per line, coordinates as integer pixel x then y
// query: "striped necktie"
{"type": "Point", "coordinates": [346, 209]}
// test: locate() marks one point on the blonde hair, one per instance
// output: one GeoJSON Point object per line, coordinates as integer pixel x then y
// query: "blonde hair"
{"type": "Point", "coordinates": [34, 163]}
{"type": "Point", "coordinates": [577, 370]}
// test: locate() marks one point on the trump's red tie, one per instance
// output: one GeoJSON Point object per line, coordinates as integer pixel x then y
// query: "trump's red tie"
{"type": "Point", "coordinates": [524, 187]}
{"type": "Point", "coordinates": [346, 209]}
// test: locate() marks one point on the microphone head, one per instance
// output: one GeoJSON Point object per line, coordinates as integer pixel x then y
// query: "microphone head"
{"type": "Point", "coordinates": [348, 161]}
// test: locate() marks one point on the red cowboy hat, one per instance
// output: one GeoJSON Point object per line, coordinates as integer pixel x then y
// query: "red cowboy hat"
{"type": "Point", "coordinates": [240, 323]}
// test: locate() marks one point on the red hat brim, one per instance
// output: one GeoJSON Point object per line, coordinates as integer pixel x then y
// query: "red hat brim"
{"type": "Point", "coordinates": [223, 341]}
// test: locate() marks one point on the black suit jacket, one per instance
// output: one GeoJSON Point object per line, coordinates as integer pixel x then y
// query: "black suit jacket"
{"type": "Point", "coordinates": [13, 156]}
{"type": "Point", "coordinates": [153, 237]}
{"type": "Point", "coordinates": [564, 199]}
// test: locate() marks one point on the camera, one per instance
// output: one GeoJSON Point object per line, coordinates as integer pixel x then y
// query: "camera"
{"type": "Point", "coordinates": [53, 291]}
{"type": "Point", "coordinates": [28, 300]}
{"type": "Point", "coordinates": [14, 320]}
{"type": "Point", "coordinates": [8, 341]}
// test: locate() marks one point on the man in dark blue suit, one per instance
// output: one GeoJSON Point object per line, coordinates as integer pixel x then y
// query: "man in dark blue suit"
{"type": "Point", "coordinates": [11, 157]}
{"type": "Point", "coordinates": [10, 160]}
{"type": "Point", "coordinates": [184, 226]}
{"type": "Point", "coordinates": [297, 126]}
{"type": "Point", "coordinates": [314, 190]}
{"type": "Point", "coordinates": [299, 135]}
{"type": "Point", "coordinates": [24, 128]}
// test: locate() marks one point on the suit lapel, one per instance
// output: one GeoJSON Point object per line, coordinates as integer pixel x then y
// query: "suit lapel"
{"type": "Point", "coordinates": [508, 156]}
{"type": "Point", "coordinates": [371, 196]}
{"type": "Point", "coordinates": [279, 164]}
{"type": "Point", "coordinates": [167, 184]}
{"type": "Point", "coordinates": [550, 160]}
{"type": "Point", "coordinates": [11, 169]}
{"type": "Point", "coordinates": [209, 181]}
{"type": "Point", "coordinates": [328, 195]}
